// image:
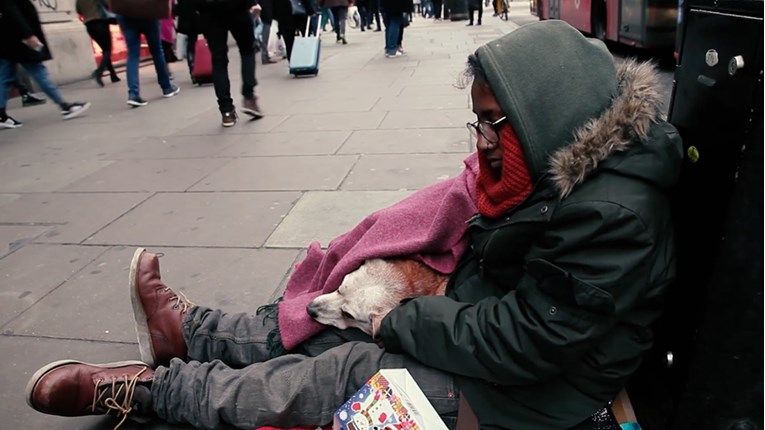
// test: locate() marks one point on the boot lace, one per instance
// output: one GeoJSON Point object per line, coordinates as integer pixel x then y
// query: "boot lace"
{"type": "Point", "coordinates": [180, 299]}
{"type": "Point", "coordinates": [117, 397]}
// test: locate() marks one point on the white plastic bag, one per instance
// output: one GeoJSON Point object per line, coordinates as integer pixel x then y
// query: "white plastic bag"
{"type": "Point", "coordinates": [181, 44]}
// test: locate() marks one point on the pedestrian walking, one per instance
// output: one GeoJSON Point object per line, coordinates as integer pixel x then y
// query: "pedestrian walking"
{"type": "Point", "coordinates": [22, 42]}
{"type": "Point", "coordinates": [339, 10]}
{"type": "Point", "coordinates": [97, 18]}
{"type": "Point", "coordinates": [473, 6]}
{"type": "Point", "coordinates": [132, 29]}
{"type": "Point", "coordinates": [21, 83]}
{"type": "Point", "coordinates": [395, 16]}
{"type": "Point", "coordinates": [190, 24]}
{"type": "Point", "coordinates": [218, 20]}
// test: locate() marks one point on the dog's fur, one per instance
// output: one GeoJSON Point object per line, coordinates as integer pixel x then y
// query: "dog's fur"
{"type": "Point", "coordinates": [368, 293]}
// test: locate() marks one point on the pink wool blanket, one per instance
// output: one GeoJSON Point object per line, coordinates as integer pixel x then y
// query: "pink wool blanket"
{"type": "Point", "coordinates": [429, 226]}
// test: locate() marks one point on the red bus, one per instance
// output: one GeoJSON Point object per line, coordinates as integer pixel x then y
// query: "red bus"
{"type": "Point", "coordinates": [639, 23]}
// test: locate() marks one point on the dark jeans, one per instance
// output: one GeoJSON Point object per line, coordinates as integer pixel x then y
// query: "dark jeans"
{"type": "Point", "coordinates": [37, 72]}
{"type": "Point", "coordinates": [394, 27]}
{"type": "Point", "coordinates": [341, 17]}
{"type": "Point", "coordinates": [231, 378]}
{"type": "Point", "coordinates": [98, 29]}
{"type": "Point", "coordinates": [473, 9]}
{"type": "Point", "coordinates": [240, 25]}
{"type": "Point", "coordinates": [132, 28]}
{"type": "Point", "coordinates": [437, 6]}
{"type": "Point", "coordinates": [191, 49]}
{"type": "Point", "coordinates": [364, 15]}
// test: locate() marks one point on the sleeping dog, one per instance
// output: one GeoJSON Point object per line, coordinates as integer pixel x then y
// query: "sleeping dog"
{"type": "Point", "coordinates": [368, 293]}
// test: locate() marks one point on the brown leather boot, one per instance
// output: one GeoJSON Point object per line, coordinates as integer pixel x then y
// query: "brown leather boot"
{"type": "Point", "coordinates": [251, 108]}
{"type": "Point", "coordinates": [73, 388]}
{"type": "Point", "coordinates": [158, 312]}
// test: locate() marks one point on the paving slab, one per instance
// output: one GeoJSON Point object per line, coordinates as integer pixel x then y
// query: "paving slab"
{"type": "Point", "coordinates": [287, 143]}
{"type": "Point", "coordinates": [69, 217]}
{"type": "Point", "coordinates": [238, 220]}
{"type": "Point", "coordinates": [94, 304]}
{"type": "Point", "coordinates": [163, 147]}
{"type": "Point", "coordinates": [16, 236]}
{"type": "Point", "coordinates": [332, 121]}
{"type": "Point", "coordinates": [280, 173]}
{"type": "Point", "coordinates": [30, 175]}
{"type": "Point", "coordinates": [427, 119]}
{"type": "Point", "coordinates": [435, 140]}
{"type": "Point", "coordinates": [23, 355]}
{"type": "Point", "coordinates": [402, 172]}
{"type": "Point", "coordinates": [322, 216]}
{"type": "Point", "coordinates": [148, 175]}
{"type": "Point", "coordinates": [33, 272]}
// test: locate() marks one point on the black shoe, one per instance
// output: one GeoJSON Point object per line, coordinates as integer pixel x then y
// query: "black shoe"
{"type": "Point", "coordinates": [30, 99]}
{"type": "Point", "coordinates": [469, 24]}
{"type": "Point", "coordinates": [137, 102]}
{"type": "Point", "coordinates": [8, 122]}
{"type": "Point", "coordinates": [115, 78]}
{"type": "Point", "coordinates": [96, 75]}
{"type": "Point", "coordinates": [342, 39]}
{"type": "Point", "coordinates": [71, 110]}
{"type": "Point", "coordinates": [228, 118]}
{"type": "Point", "coordinates": [377, 30]}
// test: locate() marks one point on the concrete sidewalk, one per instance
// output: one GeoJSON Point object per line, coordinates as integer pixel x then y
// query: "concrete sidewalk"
{"type": "Point", "coordinates": [232, 209]}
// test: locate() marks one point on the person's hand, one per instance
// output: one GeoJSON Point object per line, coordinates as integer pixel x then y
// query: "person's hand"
{"type": "Point", "coordinates": [33, 42]}
{"type": "Point", "coordinates": [255, 10]}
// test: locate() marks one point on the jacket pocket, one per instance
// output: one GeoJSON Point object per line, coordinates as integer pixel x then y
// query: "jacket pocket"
{"type": "Point", "coordinates": [566, 288]}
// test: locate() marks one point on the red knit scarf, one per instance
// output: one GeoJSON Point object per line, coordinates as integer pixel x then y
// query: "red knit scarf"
{"type": "Point", "coordinates": [499, 194]}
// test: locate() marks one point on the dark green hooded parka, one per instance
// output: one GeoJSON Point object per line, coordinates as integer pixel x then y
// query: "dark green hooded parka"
{"type": "Point", "coordinates": [549, 312]}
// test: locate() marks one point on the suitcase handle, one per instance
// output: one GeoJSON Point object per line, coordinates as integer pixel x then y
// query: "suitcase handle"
{"type": "Point", "coordinates": [308, 25]}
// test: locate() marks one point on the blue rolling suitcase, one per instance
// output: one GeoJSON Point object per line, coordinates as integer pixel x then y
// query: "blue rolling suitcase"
{"type": "Point", "coordinates": [305, 53]}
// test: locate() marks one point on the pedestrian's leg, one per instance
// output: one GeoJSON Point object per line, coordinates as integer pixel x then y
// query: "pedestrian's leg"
{"type": "Point", "coordinates": [151, 32]}
{"type": "Point", "coordinates": [300, 22]}
{"type": "Point", "coordinates": [400, 40]}
{"type": "Point", "coordinates": [39, 73]}
{"type": "Point", "coordinates": [389, 49]}
{"type": "Point", "coordinates": [132, 37]}
{"type": "Point", "coordinates": [217, 38]}
{"type": "Point", "coordinates": [7, 77]}
{"type": "Point", "coordinates": [289, 391]}
{"type": "Point", "coordinates": [341, 16]}
{"type": "Point", "coordinates": [480, 14]}
{"type": "Point", "coordinates": [242, 30]}
{"type": "Point", "coordinates": [287, 30]}
{"type": "Point", "coordinates": [191, 46]}
{"type": "Point", "coordinates": [265, 56]}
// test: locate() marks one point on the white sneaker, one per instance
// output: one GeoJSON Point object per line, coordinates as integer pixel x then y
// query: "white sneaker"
{"type": "Point", "coordinates": [9, 122]}
{"type": "Point", "coordinates": [73, 110]}
{"type": "Point", "coordinates": [398, 54]}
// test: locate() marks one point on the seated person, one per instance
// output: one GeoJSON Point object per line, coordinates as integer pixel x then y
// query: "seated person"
{"type": "Point", "coordinates": [554, 282]}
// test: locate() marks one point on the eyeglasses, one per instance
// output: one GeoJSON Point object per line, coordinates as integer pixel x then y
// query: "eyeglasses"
{"type": "Point", "coordinates": [487, 129]}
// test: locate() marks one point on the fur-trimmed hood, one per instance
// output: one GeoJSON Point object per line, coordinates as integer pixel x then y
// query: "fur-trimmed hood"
{"type": "Point", "coordinates": [634, 110]}
{"type": "Point", "coordinates": [574, 110]}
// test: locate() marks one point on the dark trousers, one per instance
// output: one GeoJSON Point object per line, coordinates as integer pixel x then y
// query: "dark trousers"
{"type": "Point", "coordinates": [287, 32]}
{"type": "Point", "coordinates": [241, 27]}
{"type": "Point", "coordinates": [191, 49]}
{"type": "Point", "coordinates": [365, 18]}
{"type": "Point", "coordinates": [231, 377]}
{"type": "Point", "coordinates": [98, 30]}
{"type": "Point", "coordinates": [472, 9]}
{"type": "Point", "coordinates": [437, 5]}
{"type": "Point", "coordinates": [374, 13]}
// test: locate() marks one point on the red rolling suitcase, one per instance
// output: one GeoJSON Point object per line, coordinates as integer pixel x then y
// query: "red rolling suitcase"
{"type": "Point", "coordinates": [202, 71]}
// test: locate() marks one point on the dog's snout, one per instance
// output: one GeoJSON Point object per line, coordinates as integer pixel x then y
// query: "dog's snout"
{"type": "Point", "coordinates": [311, 311]}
